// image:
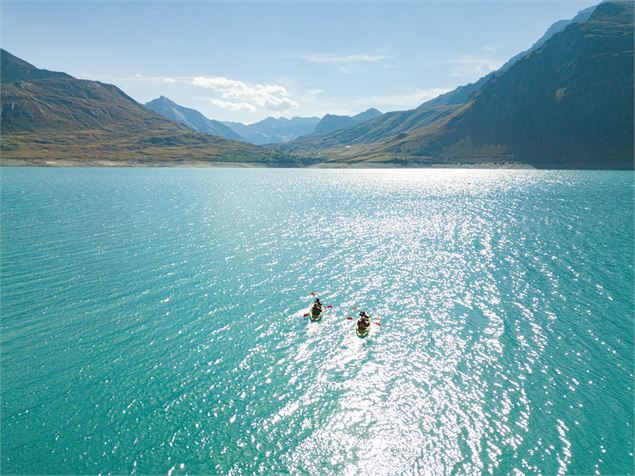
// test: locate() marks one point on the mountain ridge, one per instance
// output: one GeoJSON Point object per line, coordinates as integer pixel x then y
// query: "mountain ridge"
{"type": "Point", "coordinates": [567, 104]}
{"type": "Point", "coordinates": [52, 118]}
{"type": "Point", "coordinates": [461, 94]}
{"type": "Point", "coordinates": [393, 124]}
{"type": "Point", "coordinates": [191, 118]}
{"type": "Point", "coordinates": [333, 122]}
{"type": "Point", "coordinates": [273, 130]}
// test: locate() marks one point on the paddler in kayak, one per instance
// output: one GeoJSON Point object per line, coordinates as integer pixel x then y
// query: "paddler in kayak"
{"type": "Point", "coordinates": [317, 308]}
{"type": "Point", "coordinates": [363, 323]}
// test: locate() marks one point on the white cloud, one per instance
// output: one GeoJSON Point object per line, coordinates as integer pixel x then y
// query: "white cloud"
{"type": "Point", "coordinates": [238, 95]}
{"type": "Point", "coordinates": [491, 48]}
{"type": "Point", "coordinates": [137, 78]}
{"type": "Point", "coordinates": [338, 59]}
{"type": "Point", "coordinates": [233, 106]}
{"type": "Point", "coordinates": [407, 99]}
{"type": "Point", "coordinates": [344, 63]}
{"type": "Point", "coordinates": [473, 65]}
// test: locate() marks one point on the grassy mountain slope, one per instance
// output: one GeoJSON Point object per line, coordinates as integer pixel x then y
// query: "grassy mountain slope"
{"type": "Point", "coordinates": [54, 119]}
{"type": "Point", "coordinates": [390, 124]}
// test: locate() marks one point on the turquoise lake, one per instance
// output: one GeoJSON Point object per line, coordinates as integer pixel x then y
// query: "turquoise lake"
{"type": "Point", "coordinates": [152, 321]}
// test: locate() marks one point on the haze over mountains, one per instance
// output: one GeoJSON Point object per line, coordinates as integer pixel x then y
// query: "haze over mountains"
{"type": "Point", "coordinates": [267, 131]}
{"type": "Point", "coordinates": [273, 131]}
{"type": "Point", "coordinates": [567, 102]}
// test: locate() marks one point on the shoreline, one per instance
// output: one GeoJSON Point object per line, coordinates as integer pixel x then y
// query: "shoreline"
{"type": "Point", "coordinates": [126, 164]}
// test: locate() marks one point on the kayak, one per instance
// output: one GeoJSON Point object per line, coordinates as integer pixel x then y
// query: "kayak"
{"type": "Point", "coordinates": [361, 334]}
{"type": "Point", "coordinates": [316, 313]}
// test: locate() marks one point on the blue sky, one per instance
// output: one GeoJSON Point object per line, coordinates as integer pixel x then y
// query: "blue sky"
{"type": "Point", "coordinates": [248, 60]}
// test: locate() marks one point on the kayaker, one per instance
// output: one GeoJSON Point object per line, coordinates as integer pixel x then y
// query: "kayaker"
{"type": "Point", "coordinates": [317, 305]}
{"type": "Point", "coordinates": [363, 322]}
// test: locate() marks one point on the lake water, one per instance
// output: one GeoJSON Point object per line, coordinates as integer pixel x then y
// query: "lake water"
{"type": "Point", "coordinates": [152, 321]}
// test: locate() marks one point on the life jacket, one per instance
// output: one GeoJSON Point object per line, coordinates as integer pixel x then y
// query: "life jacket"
{"type": "Point", "coordinates": [363, 322]}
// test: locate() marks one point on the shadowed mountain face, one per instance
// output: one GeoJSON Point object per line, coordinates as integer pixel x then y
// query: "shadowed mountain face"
{"type": "Point", "coordinates": [566, 104]}
{"type": "Point", "coordinates": [191, 118]}
{"type": "Point", "coordinates": [50, 117]}
{"type": "Point", "coordinates": [274, 131]}
{"type": "Point", "coordinates": [461, 94]}
{"type": "Point", "coordinates": [397, 124]}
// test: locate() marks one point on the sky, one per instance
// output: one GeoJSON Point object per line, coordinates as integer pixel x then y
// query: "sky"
{"type": "Point", "coordinates": [244, 61]}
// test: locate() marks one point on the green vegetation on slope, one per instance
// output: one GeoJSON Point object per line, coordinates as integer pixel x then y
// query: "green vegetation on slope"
{"type": "Point", "coordinates": [390, 124]}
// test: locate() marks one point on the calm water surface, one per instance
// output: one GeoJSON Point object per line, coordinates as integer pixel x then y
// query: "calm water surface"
{"type": "Point", "coordinates": [152, 322]}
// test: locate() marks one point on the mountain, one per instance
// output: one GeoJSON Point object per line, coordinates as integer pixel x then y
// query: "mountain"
{"type": "Point", "coordinates": [332, 122]}
{"type": "Point", "coordinates": [15, 69]}
{"type": "Point", "coordinates": [461, 94]}
{"type": "Point", "coordinates": [567, 104]}
{"type": "Point", "coordinates": [273, 131]}
{"type": "Point", "coordinates": [191, 118]}
{"type": "Point", "coordinates": [398, 123]}
{"type": "Point", "coordinates": [390, 124]}
{"type": "Point", "coordinates": [51, 118]}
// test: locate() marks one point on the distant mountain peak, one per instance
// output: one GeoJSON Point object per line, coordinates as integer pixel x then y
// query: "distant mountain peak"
{"type": "Point", "coordinates": [333, 122]}
{"type": "Point", "coordinates": [191, 118]}
{"type": "Point", "coordinates": [273, 130]}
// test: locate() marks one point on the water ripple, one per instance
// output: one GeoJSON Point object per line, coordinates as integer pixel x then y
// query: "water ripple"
{"type": "Point", "coordinates": [152, 322]}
